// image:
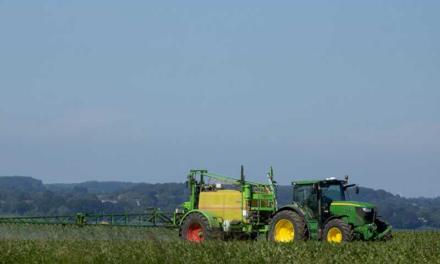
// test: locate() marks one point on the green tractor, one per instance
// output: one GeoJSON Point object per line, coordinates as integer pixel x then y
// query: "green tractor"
{"type": "Point", "coordinates": [221, 207]}
{"type": "Point", "coordinates": [320, 211]}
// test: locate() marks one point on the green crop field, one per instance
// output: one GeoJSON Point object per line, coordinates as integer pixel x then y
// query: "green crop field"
{"type": "Point", "coordinates": [105, 244]}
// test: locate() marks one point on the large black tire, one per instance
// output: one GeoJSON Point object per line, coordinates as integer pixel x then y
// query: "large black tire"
{"type": "Point", "coordinates": [282, 225]}
{"type": "Point", "coordinates": [196, 228]}
{"type": "Point", "coordinates": [337, 231]}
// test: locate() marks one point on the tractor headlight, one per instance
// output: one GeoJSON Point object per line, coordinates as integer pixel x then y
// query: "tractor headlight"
{"type": "Point", "coordinates": [366, 210]}
{"type": "Point", "coordinates": [365, 213]}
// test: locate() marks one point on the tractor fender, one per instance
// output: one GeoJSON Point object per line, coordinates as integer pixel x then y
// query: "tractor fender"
{"type": "Point", "coordinates": [212, 220]}
{"type": "Point", "coordinates": [291, 207]}
{"type": "Point", "coordinates": [334, 217]}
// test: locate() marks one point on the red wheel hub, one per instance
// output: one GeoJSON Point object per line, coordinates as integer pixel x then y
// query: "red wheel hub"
{"type": "Point", "coordinates": [195, 233]}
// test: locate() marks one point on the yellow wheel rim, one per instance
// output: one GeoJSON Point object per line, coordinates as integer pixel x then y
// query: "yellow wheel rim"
{"type": "Point", "coordinates": [284, 231]}
{"type": "Point", "coordinates": [334, 235]}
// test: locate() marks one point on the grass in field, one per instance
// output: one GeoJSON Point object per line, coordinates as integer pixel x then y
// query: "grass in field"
{"type": "Point", "coordinates": [53, 244]}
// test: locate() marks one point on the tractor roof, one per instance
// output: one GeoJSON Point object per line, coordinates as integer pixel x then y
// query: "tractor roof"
{"type": "Point", "coordinates": [310, 182]}
{"type": "Point", "coordinates": [305, 182]}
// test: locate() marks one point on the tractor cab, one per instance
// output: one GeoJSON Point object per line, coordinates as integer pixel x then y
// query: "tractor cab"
{"type": "Point", "coordinates": [316, 197]}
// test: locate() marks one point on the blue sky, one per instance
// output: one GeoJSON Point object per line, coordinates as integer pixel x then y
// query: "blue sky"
{"type": "Point", "coordinates": [145, 90]}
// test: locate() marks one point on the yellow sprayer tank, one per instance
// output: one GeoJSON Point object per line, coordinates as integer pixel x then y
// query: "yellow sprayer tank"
{"type": "Point", "coordinates": [226, 204]}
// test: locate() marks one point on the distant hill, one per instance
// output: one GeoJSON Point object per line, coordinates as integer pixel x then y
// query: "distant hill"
{"type": "Point", "coordinates": [28, 196]}
{"type": "Point", "coordinates": [21, 183]}
{"type": "Point", "coordinates": [92, 186]}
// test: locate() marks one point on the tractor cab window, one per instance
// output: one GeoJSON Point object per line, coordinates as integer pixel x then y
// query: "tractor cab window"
{"type": "Point", "coordinates": [332, 192]}
{"type": "Point", "coordinates": [305, 195]}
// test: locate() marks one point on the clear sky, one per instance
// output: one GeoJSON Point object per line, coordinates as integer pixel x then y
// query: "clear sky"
{"type": "Point", "coordinates": [145, 90]}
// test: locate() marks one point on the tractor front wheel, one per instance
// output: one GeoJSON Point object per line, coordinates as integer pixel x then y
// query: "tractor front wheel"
{"type": "Point", "coordinates": [195, 228]}
{"type": "Point", "coordinates": [337, 231]}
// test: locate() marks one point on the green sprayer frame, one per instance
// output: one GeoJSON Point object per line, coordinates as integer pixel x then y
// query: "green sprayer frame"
{"type": "Point", "coordinates": [152, 217]}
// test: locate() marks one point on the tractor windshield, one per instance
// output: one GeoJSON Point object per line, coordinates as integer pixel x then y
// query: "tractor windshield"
{"type": "Point", "coordinates": [332, 192]}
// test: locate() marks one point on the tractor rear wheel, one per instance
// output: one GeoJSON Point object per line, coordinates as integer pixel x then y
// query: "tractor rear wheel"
{"type": "Point", "coordinates": [337, 231]}
{"type": "Point", "coordinates": [195, 228]}
{"type": "Point", "coordinates": [287, 226]}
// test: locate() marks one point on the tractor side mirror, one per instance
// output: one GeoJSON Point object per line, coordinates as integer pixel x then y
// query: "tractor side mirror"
{"type": "Point", "coordinates": [357, 189]}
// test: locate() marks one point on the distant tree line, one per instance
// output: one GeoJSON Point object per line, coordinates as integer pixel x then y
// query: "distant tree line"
{"type": "Point", "coordinates": [29, 196]}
